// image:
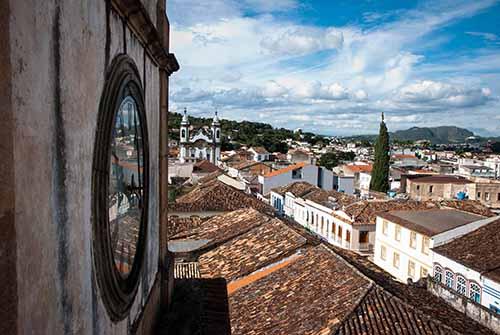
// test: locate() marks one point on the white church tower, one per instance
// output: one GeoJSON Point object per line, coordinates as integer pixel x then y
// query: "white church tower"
{"type": "Point", "coordinates": [184, 138]}
{"type": "Point", "coordinates": [216, 139]}
{"type": "Point", "coordinates": [204, 143]}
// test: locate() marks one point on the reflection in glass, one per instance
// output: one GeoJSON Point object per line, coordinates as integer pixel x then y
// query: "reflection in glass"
{"type": "Point", "coordinates": [126, 185]}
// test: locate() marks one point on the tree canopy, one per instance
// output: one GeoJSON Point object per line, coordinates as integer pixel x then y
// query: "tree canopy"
{"type": "Point", "coordinates": [332, 159]}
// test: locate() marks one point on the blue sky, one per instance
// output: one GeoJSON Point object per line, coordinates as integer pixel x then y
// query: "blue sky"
{"type": "Point", "coordinates": [332, 67]}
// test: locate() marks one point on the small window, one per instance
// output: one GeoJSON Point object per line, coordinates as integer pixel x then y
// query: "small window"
{"type": "Point", "coordinates": [431, 188]}
{"type": "Point", "coordinates": [385, 227]}
{"type": "Point", "coordinates": [413, 240]}
{"type": "Point", "coordinates": [340, 232]}
{"type": "Point", "coordinates": [475, 293]}
{"type": "Point", "coordinates": [498, 197]}
{"type": "Point", "coordinates": [461, 285]}
{"type": "Point", "coordinates": [423, 272]}
{"type": "Point", "coordinates": [418, 187]}
{"type": "Point", "coordinates": [383, 252]}
{"type": "Point", "coordinates": [438, 274]}
{"type": "Point", "coordinates": [449, 279]}
{"type": "Point", "coordinates": [478, 195]}
{"type": "Point", "coordinates": [411, 269]}
{"type": "Point", "coordinates": [397, 233]}
{"type": "Point", "coordinates": [425, 245]}
{"type": "Point", "coordinates": [395, 260]}
{"type": "Point", "coordinates": [487, 196]}
{"type": "Point", "coordinates": [183, 133]}
{"type": "Point", "coordinates": [217, 134]}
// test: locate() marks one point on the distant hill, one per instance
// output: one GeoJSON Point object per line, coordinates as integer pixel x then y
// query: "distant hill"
{"type": "Point", "coordinates": [436, 135]}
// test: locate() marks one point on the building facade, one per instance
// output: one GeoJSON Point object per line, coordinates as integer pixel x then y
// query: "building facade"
{"type": "Point", "coordinates": [84, 95]}
{"type": "Point", "coordinates": [404, 239]}
{"type": "Point", "coordinates": [200, 144]}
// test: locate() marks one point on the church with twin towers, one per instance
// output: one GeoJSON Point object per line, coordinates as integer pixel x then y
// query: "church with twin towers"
{"type": "Point", "coordinates": [203, 143]}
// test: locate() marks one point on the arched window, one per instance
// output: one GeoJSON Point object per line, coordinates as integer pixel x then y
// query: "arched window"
{"type": "Point", "coordinates": [449, 278]}
{"type": "Point", "coordinates": [217, 134]}
{"type": "Point", "coordinates": [461, 285]}
{"type": "Point", "coordinates": [183, 133]}
{"type": "Point", "coordinates": [475, 292]}
{"type": "Point", "coordinates": [438, 274]}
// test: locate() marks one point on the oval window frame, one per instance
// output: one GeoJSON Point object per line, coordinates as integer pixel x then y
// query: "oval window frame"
{"type": "Point", "coordinates": [117, 292]}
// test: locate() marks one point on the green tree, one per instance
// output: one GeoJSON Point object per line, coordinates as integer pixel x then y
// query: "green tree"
{"type": "Point", "coordinates": [380, 173]}
{"type": "Point", "coordinates": [328, 160]}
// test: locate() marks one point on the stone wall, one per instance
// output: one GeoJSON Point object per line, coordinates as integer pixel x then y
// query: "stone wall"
{"type": "Point", "coordinates": [466, 306]}
{"type": "Point", "coordinates": [55, 54]}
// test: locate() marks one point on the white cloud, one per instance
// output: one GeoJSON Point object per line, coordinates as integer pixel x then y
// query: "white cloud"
{"type": "Point", "coordinates": [302, 40]}
{"type": "Point", "coordinates": [443, 94]}
{"type": "Point", "coordinates": [486, 36]}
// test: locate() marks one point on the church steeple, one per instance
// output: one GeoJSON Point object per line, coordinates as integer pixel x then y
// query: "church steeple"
{"type": "Point", "coordinates": [185, 119]}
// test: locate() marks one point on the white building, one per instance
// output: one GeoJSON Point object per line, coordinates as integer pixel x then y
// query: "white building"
{"type": "Point", "coordinates": [259, 154]}
{"type": "Point", "coordinates": [312, 174]}
{"type": "Point", "coordinates": [203, 143]}
{"type": "Point", "coordinates": [470, 266]}
{"type": "Point", "coordinates": [494, 164]}
{"type": "Point", "coordinates": [404, 239]}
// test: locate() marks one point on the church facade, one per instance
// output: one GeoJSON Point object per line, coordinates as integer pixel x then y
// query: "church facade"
{"type": "Point", "coordinates": [202, 143]}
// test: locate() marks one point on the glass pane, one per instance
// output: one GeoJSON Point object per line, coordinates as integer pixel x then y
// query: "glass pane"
{"type": "Point", "coordinates": [126, 185]}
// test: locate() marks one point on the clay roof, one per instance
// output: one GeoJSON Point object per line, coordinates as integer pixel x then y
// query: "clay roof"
{"type": "Point", "coordinates": [360, 168]}
{"type": "Point", "coordinates": [284, 170]}
{"type": "Point", "coordinates": [251, 251]}
{"type": "Point", "coordinates": [260, 150]}
{"type": "Point", "coordinates": [205, 166]}
{"type": "Point", "coordinates": [382, 313]}
{"type": "Point", "coordinates": [215, 195]}
{"type": "Point", "coordinates": [478, 250]}
{"type": "Point", "coordinates": [432, 221]}
{"type": "Point", "coordinates": [310, 295]}
{"type": "Point", "coordinates": [401, 156]}
{"type": "Point", "coordinates": [280, 284]}
{"type": "Point", "coordinates": [441, 179]}
{"type": "Point", "coordinates": [365, 212]}
{"type": "Point", "coordinates": [177, 224]}
{"type": "Point", "coordinates": [331, 199]}
{"type": "Point", "coordinates": [222, 228]}
{"type": "Point", "coordinates": [298, 189]}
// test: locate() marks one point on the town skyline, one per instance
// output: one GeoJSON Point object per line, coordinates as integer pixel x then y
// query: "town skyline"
{"type": "Point", "coordinates": [303, 64]}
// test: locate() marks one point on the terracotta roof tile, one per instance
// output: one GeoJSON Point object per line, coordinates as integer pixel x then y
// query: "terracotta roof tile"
{"type": "Point", "coordinates": [478, 250]}
{"type": "Point", "coordinates": [222, 228]}
{"type": "Point", "coordinates": [298, 189]}
{"type": "Point", "coordinates": [248, 252]}
{"type": "Point", "coordinates": [309, 296]}
{"type": "Point", "coordinates": [214, 195]}
{"type": "Point", "coordinates": [285, 170]}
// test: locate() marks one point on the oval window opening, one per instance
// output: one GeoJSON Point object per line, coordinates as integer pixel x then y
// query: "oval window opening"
{"type": "Point", "coordinates": [126, 185]}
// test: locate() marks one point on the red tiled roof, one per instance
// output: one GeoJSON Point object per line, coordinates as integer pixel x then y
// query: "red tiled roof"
{"type": "Point", "coordinates": [478, 250]}
{"type": "Point", "coordinates": [441, 179]}
{"type": "Point", "coordinates": [285, 170]}
{"type": "Point", "coordinates": [360, 168]}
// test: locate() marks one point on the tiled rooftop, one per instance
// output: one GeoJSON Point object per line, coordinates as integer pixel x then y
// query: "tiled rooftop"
{"type": "Point", "coordinates": [431, 222]}
{"type": "Point", "coordinates": [381, 313]}
{"type": "Point", "coordinates": [298, 188]}
{"type": "Point", "coordinates": [309, 296]}
{"type": "Point", "coordinates": [222, 228]}
{"type": "Point", "coordinates": [365, 212]}
{"type": "Point", "coordinates": [283, 280]}
{"type": "Point", "coordinates": [331, 199]}
{"type": "Point", "coordinates": [251, 251]}
{"type": "Point", "coordinates": [478, 250]}
{"type": "Point", "coordinates": [285, 170]}
{"type": "Point", "coordinates": [215, 195]}
{"type": "Point", "coordinates": [442, 179]}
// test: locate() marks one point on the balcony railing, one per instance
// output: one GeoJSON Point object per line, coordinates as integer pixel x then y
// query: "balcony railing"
{"type": "Point", "coordinates": [365, 247]}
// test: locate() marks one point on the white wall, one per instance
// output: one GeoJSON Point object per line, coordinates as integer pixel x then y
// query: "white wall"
{"type": "Point", "coordinates": [402, 247]}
